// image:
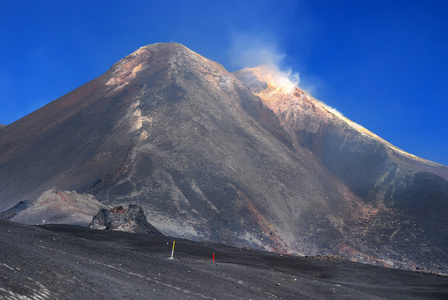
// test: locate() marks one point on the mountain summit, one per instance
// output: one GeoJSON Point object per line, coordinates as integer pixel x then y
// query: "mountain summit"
{"type": "Point", "coordinates": [243, 159]}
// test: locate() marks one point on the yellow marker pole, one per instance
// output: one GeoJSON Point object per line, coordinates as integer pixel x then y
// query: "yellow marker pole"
{"type": "Point", "coordinates": [172, 251]}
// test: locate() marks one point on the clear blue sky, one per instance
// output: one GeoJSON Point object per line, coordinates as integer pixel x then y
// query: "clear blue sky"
{"type": "Point", "coordinates": [383, 64]}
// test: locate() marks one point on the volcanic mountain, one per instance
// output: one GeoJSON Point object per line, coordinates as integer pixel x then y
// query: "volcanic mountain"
{"type": "Point", "coordinates": [246, 159]}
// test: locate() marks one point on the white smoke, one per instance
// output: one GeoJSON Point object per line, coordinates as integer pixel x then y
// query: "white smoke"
{"type": "Point", "coordinates": [334, 111]}
{"type": "Point", "coordinates": [254, 50]}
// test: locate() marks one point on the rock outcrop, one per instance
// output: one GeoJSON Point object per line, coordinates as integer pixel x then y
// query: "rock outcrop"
{"type": "Point", "coordinates": [55, 207]}
{"type": "Point", "coordinates": [118, 218]}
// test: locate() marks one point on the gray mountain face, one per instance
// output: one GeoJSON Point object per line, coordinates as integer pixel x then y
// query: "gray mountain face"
{"type": "Point", "coordinates": [232, 159]}
{"type": "Point", "coordinates": [402, 199]}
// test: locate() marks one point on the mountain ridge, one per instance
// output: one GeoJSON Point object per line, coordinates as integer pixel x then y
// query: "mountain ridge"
{"type": "Point", "coordinates": [268, 83]}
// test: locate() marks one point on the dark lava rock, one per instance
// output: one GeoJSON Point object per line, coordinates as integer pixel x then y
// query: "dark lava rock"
{"type": "Point", "coordinates": [16, 209]}
{"type": "Point", "coordinates": [118, 218]}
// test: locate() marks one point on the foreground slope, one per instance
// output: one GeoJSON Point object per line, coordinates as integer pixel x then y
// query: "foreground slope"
{"type": "Point", "coordinates": [210, 159]}
{"type": "Point", "coordinates": [72, 262]}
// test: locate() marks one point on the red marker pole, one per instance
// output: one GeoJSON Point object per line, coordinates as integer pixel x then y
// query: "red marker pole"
{"type": "Point", "coordinates": [213, 256]}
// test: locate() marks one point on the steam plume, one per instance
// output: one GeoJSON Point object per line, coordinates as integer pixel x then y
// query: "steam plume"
{"type": "Point", "coordinates": [250, 51]}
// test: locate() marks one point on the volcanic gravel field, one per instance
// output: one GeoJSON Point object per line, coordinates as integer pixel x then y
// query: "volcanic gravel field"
{"type": "Point", "coordinates": [73, 262]}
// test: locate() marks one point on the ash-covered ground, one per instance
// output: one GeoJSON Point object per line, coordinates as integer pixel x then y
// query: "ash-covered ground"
{"type": "Point", "coordinates": [72, 262]}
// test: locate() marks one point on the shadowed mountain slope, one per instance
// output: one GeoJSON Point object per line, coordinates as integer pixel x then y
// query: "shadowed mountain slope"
{"type": "Point", "coordinates": [209, 159]}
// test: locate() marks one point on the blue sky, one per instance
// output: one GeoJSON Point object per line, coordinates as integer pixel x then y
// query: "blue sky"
{"type": "Point", "coordinates": [383, 64]}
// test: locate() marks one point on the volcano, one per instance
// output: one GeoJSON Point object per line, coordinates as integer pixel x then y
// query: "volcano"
{"type": "Point", "coordinates": [246, 159]}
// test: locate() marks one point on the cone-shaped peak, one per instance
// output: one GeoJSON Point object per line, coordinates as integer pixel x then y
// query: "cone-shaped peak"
{"type": "Point", "coordinates": [148, 60]}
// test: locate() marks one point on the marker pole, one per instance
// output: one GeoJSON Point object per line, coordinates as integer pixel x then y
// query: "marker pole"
{"type": "Point", "coordinates": [172, 251]}
{"type": "Point", "coordinates": [213, 256]}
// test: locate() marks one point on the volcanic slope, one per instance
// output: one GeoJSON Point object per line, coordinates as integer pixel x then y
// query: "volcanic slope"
{"type": "Point", "coordinates": [73, 262]}
{"type": "Point", "coordinates": [403, 199]}
{"type": "Point", "coordinates": [175, 133]}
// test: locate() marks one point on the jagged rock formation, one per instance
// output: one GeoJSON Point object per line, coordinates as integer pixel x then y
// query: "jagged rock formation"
{"type": "Point", "coordinates": [246, 160]}
{"type": "Point", "coordinates": [130, 220]}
